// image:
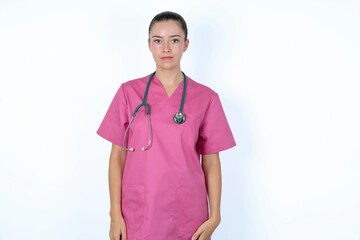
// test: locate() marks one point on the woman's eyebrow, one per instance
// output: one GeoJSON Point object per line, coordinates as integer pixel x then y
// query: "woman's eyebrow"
{"type": "Point", "coordinates": [156, 36]}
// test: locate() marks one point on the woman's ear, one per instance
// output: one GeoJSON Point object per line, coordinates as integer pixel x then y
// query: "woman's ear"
{"type": "Point", "coordinates": [186, 44]}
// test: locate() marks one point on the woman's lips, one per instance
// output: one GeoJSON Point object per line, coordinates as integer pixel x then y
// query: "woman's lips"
{"type": "Point", "coordinates": [166, 58]}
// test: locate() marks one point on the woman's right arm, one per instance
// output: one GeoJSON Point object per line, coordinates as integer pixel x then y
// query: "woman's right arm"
{"type": "Point", "coordinates": [116, 166]}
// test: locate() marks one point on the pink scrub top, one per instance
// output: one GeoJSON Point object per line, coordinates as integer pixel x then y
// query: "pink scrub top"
{"type": "Point", "coordinates": [164, 194]}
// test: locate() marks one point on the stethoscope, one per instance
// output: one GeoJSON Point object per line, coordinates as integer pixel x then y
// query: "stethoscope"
{"type": "Point", "coordinates": [179, 117]}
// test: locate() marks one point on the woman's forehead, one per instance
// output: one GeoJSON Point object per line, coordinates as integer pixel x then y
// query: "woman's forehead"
{"type": "Point", "coordinates": [167, 28]}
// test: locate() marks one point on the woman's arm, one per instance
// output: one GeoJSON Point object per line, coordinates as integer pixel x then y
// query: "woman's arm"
{"type": "Point", "coordinates": [116, 166]}
{"type": "Point", "coordinates": [212, 170]}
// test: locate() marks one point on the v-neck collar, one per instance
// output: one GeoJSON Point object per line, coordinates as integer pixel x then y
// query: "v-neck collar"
{"type": "Point", "coordinates": [158, 91]}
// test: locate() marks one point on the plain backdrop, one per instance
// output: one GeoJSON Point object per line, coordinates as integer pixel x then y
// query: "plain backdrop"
{"type": "Point", "coordinates": [287, 73]}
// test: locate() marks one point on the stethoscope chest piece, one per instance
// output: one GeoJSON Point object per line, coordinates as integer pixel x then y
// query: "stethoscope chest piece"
{"type": "Point", "coordinates": [179, 118]}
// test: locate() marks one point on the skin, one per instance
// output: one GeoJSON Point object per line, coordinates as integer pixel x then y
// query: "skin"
{"type": "Point", "coordinates": [212, 170]}
{"type": "Point", "coordinates": [116, 166]}
{"type": "Point", "coordinates": [166, 39]}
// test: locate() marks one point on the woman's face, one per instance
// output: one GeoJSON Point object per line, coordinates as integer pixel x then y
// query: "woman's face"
{"type": "Point", "coordinates": [167, 44]}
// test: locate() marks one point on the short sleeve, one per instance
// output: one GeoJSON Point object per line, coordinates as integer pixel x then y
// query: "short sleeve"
{"type": "Point", "coordinates": [215, 133]}
{"type": "Point", "coordinates": [114, 124]}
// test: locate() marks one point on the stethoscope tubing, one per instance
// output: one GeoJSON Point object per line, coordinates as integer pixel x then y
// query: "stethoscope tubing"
{"type": "Point", "coordinates": [179, 117]}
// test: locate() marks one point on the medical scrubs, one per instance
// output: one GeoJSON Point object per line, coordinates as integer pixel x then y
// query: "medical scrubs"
{"type": "Point", "coordinates": [164, 194]}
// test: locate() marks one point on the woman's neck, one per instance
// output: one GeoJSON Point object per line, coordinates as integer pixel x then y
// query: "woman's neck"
{"type": "Point", "coordinates": [169, 77]}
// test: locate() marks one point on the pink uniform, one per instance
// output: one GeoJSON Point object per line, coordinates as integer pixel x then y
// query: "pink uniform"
{"type": "Point", "coordinates": [163, 189]}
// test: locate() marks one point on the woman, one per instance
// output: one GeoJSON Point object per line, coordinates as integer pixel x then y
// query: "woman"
{"type": "Point", "coordinates": [164, 161]}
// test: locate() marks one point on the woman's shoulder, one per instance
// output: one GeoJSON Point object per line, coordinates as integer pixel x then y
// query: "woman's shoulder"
{"type": "Point", "coordinates": [201, 89]}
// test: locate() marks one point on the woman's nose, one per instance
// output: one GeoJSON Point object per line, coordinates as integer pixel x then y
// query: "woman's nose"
{"type": "Point", "coordinates": [166, 47]}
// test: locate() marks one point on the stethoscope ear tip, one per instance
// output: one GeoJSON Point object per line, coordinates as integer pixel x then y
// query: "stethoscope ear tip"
{"type": "Point", "coordinates": [131, 149]}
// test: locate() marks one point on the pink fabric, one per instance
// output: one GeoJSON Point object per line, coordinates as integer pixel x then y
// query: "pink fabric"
{"type": "Point", "coordinates": [163, 189]}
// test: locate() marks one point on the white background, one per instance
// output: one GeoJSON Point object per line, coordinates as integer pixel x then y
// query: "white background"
{"type": "Point", "coordinates": [287, 73]}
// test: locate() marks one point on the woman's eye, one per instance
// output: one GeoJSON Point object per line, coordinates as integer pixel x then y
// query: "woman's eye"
{"type": "Point", "coordinates": [175, 40]}
{"type": "Point", "coordinates": [157, 41]}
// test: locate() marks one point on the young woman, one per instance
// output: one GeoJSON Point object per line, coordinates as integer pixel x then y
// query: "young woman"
{"type": "Point", "coordinates": [166, 132]}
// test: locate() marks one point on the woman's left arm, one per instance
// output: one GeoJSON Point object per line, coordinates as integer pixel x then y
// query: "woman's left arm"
{"type": "Point", "coordinates": [212, 170]}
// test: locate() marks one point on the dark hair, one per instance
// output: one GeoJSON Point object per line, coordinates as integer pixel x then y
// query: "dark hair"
{"type": "Point", "coordinates": [167, 15]}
